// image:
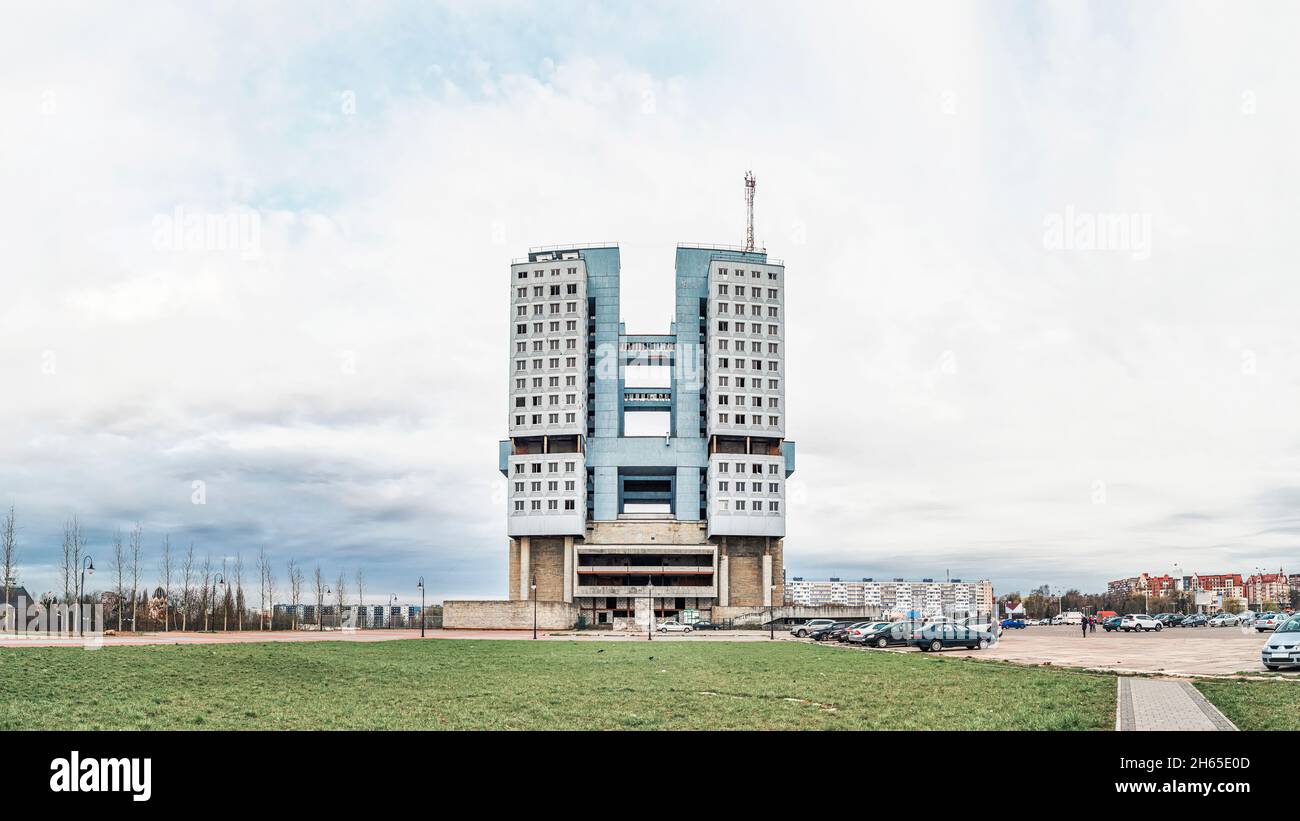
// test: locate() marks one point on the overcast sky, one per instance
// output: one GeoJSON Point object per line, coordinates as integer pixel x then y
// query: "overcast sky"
{"type": "Point", "coordinates": [977, 383]}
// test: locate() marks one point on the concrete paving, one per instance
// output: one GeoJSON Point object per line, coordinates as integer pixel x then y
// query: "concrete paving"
{"type": "Point", "coordinates": [1147, 704]}
{"type": "Point", "coordinates": [1176, 651]}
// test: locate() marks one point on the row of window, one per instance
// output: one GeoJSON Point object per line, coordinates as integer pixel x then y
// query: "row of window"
{"type": "Point", "coordinates": [725, 308]}
{"type": "Point", "coordinates": [540, 308]}
{"type": "Point", "coordinates": [755, 382]}
{"type": "Point", "coordinates": [540, 291]}
{"type": "Point", "coordinates": [740, 399]}
{"type": "Point", "coordinates": [552, 399]}
{"type": "Point", "coordinates": [536, 487]}
{"type": "Point", "coordinates": [744, 505]}
{"type": "Point", "coordinates": [739, 293]}
{"type": "Point", "coordinates": [541, 272]}
{"type": "Point", "coordinates": [553, 362]}
{"type": "Point", "coordinates": [553, 326]}
{"type": "Point", "coordinates": [526, 420]}
{"type": "Point", "coordinates": [521, 383]}
{"type": "Point", "coordinates": [772, 275]}
{"type": "Point", "coordinates": [551, 504]}
{"type": "Point", "coordinates": [773, 468]}
{"type": "Point", "coordinates": [755, 364]}
{"type": "Point", "coordinates": [724, 486]}
{"type": "Point", "coordinates": [773, 348]}
{"type": "Point", "coordinates": [551, 467]}
{"type": "Point", "coordinates": [724, 326]}
{"type": "Point", "coordinates": [570, 344]}
{"type": "Point", "coordinates": [748, 419]}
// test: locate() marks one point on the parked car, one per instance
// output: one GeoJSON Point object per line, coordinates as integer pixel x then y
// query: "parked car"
{"type": "Point", "coordinates": [858, 632]}
{"type": "Point", "coordinates": [889, 635]}
{"type": "Point", "coordinates": [842, 634]}
{"type": "Point", "coordinates": [706, 625]}
{"type": "Point", "coordinates": [1224, 620]}
{"type": "Point", "coordinates": [673, 626]}
{"type": "Point", "coordinates": [806, 629]}
{"type": "Point", "coordinates": [1013, 624]}
{"type": "Point", "coordinates": [935, 637]}
{"type": "Point", "coordinates": [1069, 617]}
{"type": "Point", "coordinates": [1283, 647]}
{"type": "Point", "coordinates": [1140, 622]}
{"type": "Point", "coordinates": [1169, 619]}
{"type": "Point", "coordinates": [1269, 621]}
{"type": "Point", "coordinates": [1195, 620]}
{"type": "Point", "coordinates": [1111, 623]}
{"type": "Point", "coordinates": [829, 630]}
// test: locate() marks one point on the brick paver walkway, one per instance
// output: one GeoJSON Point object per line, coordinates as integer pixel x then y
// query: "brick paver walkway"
{"type": "Point", "coordinates": [1163, 704]}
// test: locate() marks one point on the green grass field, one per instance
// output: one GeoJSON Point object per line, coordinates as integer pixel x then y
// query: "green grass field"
{"type": "Point", "coordinates": [1256, 705]}
{"type": "Point", "coordinates": [479, 684]}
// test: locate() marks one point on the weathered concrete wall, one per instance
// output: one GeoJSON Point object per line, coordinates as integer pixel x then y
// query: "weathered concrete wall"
{"type": "Point", "coordinates": [647, 531]}
{"type": "Point", "coordinates": [745, 580]}
{"type": "Point", "coordinates": [504, 614]}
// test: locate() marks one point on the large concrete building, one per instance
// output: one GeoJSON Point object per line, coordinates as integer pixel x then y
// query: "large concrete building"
{"type": "Point", "coordinates": [613, 521]}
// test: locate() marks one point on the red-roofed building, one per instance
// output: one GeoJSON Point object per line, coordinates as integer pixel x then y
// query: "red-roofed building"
{"type": "Point", "coordinates": [1262, 588]}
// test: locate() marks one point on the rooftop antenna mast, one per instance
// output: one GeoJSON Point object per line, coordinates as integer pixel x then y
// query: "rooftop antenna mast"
{"type": "Point", "coordinates": [750, 184]}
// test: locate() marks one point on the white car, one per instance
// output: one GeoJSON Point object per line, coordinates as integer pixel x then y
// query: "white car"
{"type": "Point", "coordinates": [802, 630]}
{"type": "Point", "coordinates": [1269, 621]}
{"type": "Point", "coordinates": [1283, 647]}
{"type": "Point", "coordinates": [1224, 620]}
{"type": "Point", "coordinates": [857, 634]}
{"type": "Point", "coordinates": [673, 626]}
{"type": "Point", "coordinates": [1140, 622]}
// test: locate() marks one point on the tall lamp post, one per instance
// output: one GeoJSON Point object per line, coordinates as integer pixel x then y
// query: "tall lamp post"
{"type": "Point", "coordinates": [532, 586]}
{"type": "Point", "coordinates": [87, 568]}
{"type": "Point", "coordinates": [771, 601]}
{"type": "Point", "coordinates": [392, 602]}
{"type": "Point", "coordinates": [421, 586]}
{"type": "Point", "coordinates": [650, 620]}
{"type": "Point", "coordinates": [218, 581]}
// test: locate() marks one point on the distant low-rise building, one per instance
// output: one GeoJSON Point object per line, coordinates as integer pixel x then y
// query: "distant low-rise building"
{"type": "Point", "coordinates": [931, 597]}
{"type": "Point", "coordinates": [1268, 588]}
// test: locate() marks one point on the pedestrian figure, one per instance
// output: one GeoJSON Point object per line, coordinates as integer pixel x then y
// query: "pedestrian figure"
{"type": "Point", "coordinates": [1084, 625]}
{"type": "Point", "coordinates": [1092, 624]}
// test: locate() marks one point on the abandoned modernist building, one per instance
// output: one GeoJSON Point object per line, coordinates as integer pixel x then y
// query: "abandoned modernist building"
{"type": "Point", "coordinates": [613, 521]}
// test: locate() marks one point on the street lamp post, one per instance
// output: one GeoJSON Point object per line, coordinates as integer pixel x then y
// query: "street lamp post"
{"type": "Point", "coordinates": [421, 586]}
{"type": "Point", "coordinates": [87, 568]}
{"type": "Point", "coordinates": [650, 616]}
{"type": "Point", "coordinates": [532, 587]}
{"type": "Point", "coordinates": [392, 602]}
{"type": "Point", "coordinates": [218, 580]}
{"type": "Point", "coordinates": [771, 621]}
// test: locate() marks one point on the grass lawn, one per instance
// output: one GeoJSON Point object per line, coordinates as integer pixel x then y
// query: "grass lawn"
{"type": "Point", "coordinates": [1256, 705]}
{"type": "Point", "coordinates": [491, 684]}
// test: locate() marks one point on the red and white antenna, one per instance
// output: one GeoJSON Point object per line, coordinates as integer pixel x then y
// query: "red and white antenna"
{"type": "Point", "coordinates": [750, 184]}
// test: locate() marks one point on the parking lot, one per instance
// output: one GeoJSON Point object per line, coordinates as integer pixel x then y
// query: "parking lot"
{"type": "Point", "coordinates": [1173, 651]}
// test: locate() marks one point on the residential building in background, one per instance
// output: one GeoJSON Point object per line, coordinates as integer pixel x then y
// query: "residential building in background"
{"type": "Point", "coordinates": [617, 516]}
{"type": "Point", "coordinates": [1273, 589]}
{"type": "Point", "coordinates": [930, 597]}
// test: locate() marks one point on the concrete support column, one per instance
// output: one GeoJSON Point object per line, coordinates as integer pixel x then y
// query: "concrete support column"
{"type": "Point", "coordinates": [524, 580]}
{"type": "Point", "coordinates": [767, 579]}
{"type": "Point", "coordinates": [569, 579]}
{"type": "Point", "coordinates": [724, 591]}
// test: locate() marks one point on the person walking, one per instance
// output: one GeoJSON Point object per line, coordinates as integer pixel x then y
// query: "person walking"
{"type": "Point", "coordinates": [1092, 624]}
{"type": "Point", "coordinates": [1084, 625]}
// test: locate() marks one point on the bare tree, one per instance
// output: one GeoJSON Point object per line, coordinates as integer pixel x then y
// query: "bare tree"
{"type": "Point", "coordinates": [187, 576]}
{"type": "Point", "coordinates": [119, 571]}
{"type": "Point", "coordinates": [137, 553]}
{"type": "Point", "coordinates": [338, 598]}
{"type": "Point", "coordinates": [262, 568]}
{"type": "Point", "coordinates": [71, 558]}
{"type": "Point", "coordinates": [165, 574]}
{"type": "Point", "coordinates": [8, 553]}
{"type": "Point", "coordinates": [225, 598]}
{"type": "Point", "coordinates": [319, 582]}
{"type": "Point", "coordinates": [361, 597]}
{"type": "Point", "coordinates": [270, 595]}
{"type": "Point", "coordinates": [239, 589]}
{"type": "Point", "coordinates": [295, 590]}
{"type": "Point", "coordinates": [209, 587]}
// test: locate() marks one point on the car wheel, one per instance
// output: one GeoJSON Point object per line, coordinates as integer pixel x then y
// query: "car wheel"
{"type": "Point", "coordinates": [663, 629]}
{"type": "Point", "coordinates": [687, 630]}
{"type": "Point", "coordinates": [983, 644]}
{"type": "Point", "coordinates": [802, 634]}
{"type": "Point", "coordinates": [936, 646]}
{"type": "Point", "coordinates": [882, 642]}
{"type": "Point", "coordinates": [1159, 627]}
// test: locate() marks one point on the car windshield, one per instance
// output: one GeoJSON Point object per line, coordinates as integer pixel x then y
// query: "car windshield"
{"type": "Point", "coordinates": [1292, 626]}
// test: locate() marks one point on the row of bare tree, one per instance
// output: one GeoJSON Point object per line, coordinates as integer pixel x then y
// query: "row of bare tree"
{"type": "Point", "coordinates": [190, 590]}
